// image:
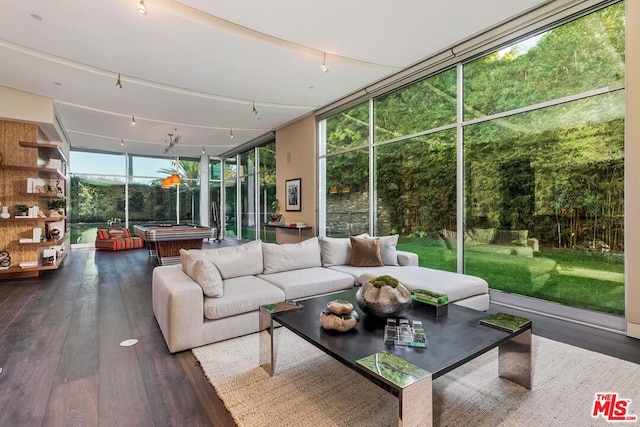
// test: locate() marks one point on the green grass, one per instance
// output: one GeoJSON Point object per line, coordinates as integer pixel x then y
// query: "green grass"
{"type": "Point", "coordinates": [587, 280]}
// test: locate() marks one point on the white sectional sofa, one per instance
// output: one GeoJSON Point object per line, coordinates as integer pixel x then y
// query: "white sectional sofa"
{"type": "Point", "coordinates": [214, 294]}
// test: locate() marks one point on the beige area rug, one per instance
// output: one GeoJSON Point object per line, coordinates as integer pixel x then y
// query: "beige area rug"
{"type": "Point", "coordinates": [312, 389]}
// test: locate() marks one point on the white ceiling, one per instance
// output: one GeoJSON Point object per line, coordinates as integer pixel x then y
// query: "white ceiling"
{"type": "Point", "coordinates": [196, 67]}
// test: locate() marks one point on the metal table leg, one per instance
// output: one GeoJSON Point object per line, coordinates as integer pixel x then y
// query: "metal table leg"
{"type": "Point", "coordinates": [515, 361]}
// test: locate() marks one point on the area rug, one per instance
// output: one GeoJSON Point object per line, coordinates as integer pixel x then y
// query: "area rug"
{"type": "Point", "coordinates": [312, 389]}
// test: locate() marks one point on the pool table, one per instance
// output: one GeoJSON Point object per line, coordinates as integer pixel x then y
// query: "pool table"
{"type": "Point", "coordinates": [164, 241]}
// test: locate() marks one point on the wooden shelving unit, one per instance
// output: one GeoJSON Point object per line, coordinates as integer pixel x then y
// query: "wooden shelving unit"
{"type": "Point", "coordinates": [23, 161]}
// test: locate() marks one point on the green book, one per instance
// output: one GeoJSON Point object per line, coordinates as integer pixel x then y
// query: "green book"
{"type": "Point", "coordinates": [393, 368]}
{"type": "Point", "coordinates": [429, 297]}
{"type": "Point", "coordinates": [505, 322]}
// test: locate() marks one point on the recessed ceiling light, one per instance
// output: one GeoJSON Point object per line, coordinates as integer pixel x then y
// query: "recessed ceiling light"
{"type": "Point", "coordinates": [310, 87]}
{"type": "Point", "coordinates": [129, 342]}
{"type": "Point", "coordinates": [36, 17]}
{"type": "Point", "coordinates": [57, 83]}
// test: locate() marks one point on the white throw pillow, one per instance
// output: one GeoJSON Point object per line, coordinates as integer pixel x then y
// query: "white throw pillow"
{"type": "Point", "coordinates": [286, 257]}
{"type": "Point", "coordinates": [336, 250]}
{"type": "Point", "coordinates": [388, 249]}
{"type": "Point", "coordinates": [236, 261]}
{"type": "Point", "coordinates": [203, 272]}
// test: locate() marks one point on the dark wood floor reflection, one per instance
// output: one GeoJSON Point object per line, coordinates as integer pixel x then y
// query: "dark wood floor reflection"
{"type": "Point", "coordinates": [62, 363]}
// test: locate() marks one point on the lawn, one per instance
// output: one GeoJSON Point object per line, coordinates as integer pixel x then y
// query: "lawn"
{"type": "Point", "coordinates": [593, 281]}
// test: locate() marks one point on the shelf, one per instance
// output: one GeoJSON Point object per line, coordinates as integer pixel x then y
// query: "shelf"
{"type": "Point", "coordinates": [55, 151]}
{"type": "Point", "coordinates": [53, 195]}
{"type": "Point", "coordinates": [54, 173]}
{"type": "Point", "coordinates": [27, 219]}
{"type": "Point", "coordinates": [26, 271]}
{"type": "Point", "coordinates": [47, 243]}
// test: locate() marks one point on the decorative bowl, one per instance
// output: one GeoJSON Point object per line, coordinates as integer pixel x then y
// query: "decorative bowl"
{"type": "Point", "coordinates": [383, 301]}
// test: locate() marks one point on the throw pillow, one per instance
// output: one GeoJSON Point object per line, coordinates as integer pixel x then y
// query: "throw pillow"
{"type": "Point", "coordinates": [336, 251]}
{"type": "Point", "coordinates": [291, 256]}
{"type": "Point", "coordinates": [117, 233]}
{"type": "Point", "coordinates": [388, 249]}
{"type": "Point", "coordinates": [204, 272]}
{"type": "Point", "coordinates": [365, 252]}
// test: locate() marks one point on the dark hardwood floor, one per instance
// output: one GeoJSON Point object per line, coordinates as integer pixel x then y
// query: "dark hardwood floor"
{"type": "Point", "coordinates": [62, 363]}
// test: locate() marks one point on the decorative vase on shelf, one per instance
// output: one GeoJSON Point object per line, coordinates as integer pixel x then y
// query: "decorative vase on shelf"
{"type": "Point", "coordinates": [5, 213]}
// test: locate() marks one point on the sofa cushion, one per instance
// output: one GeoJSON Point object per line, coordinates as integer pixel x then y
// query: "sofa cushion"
{"type": "Point", "coordinates": [203, 271]}
{"type": "Point", "coordinates": [236, 261]}
{"type": "Point", "coordinates": [365, 252]}
{"type": "Point", "coordinates": [456, 286]}
{"type": "Point", "coordinates": [242, 295]}
{"type": "Point", "coordinates": [309, 281]}
{"type": "Point", "coordinates": [336, 250]}
{"type": "Point", "coordinates": [290, 256]}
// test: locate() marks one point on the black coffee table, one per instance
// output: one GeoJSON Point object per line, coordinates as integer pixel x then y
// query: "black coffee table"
{"type": "Point", "coordinates": [453, 340]}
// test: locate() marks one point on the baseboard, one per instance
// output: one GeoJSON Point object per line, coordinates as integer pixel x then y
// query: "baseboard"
{"type": "Point", "coordinates": [633, 330]}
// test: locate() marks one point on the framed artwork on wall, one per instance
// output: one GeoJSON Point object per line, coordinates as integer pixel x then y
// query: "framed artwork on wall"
{"type": "Point", "coordinates": [292, 188]}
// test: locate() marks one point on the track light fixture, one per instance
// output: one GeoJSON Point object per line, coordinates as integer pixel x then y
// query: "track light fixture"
{"type": "Point", "coordinates": [119, 82]}
{"type": "Point", "coordinates": [121, 141]}
{"type": "Point", "coordinates": [142, 9]}
{"type": "Point", "coordinates": [231, 135]}
{"type": "Point", "coordinates": [133, 121]}
{"type": "Point", "coordinates": [324, 67]}
{"type": "Point", "coordinates": [254, 111]}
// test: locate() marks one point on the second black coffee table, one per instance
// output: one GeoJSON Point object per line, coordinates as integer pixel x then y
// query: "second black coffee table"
{"type": "Point", "coordinates": [453, 340]}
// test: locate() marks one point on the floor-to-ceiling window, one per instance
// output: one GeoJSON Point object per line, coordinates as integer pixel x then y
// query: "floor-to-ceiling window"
{"type": "Point", "coordinates": [123, 190]}
{"type": "Point", "coordinates": [247, 205]}
{"type": "Point", "coordinates": [267, 189]}
{"type": "Point", "coordinates": [215, 194]}
{"type": "Point", "coordinates": [230, 213]}
{"type": "Point", "coordinates": [531, 135]}
{"type": "Point", "coordinates": [250, 192]}
{"type": "Point", "coordinates": [347, 172]}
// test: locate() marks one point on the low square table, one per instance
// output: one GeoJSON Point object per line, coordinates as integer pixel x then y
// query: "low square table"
{"type": "Point", "coordinates": [453, 340]}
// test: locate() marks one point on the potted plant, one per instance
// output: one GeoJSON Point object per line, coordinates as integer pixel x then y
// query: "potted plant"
{"type": "Point", "coordinates": [276, 216]}
{"type": "Point", "coordinates": [21, 209]}
{"type": "Point", "coordinates": [58, 205]}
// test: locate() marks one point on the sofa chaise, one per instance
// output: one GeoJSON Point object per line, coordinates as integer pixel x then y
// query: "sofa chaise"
{"type": "Point", "coordinates": [215, 294]}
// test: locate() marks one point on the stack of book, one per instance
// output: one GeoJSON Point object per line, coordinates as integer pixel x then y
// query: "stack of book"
{"type": "Point", "coordinates": [37, 234]}
{"type": "Point", "coordinates": [433, 302]}
{"type": "Point", "coordinates": [28, 264]}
